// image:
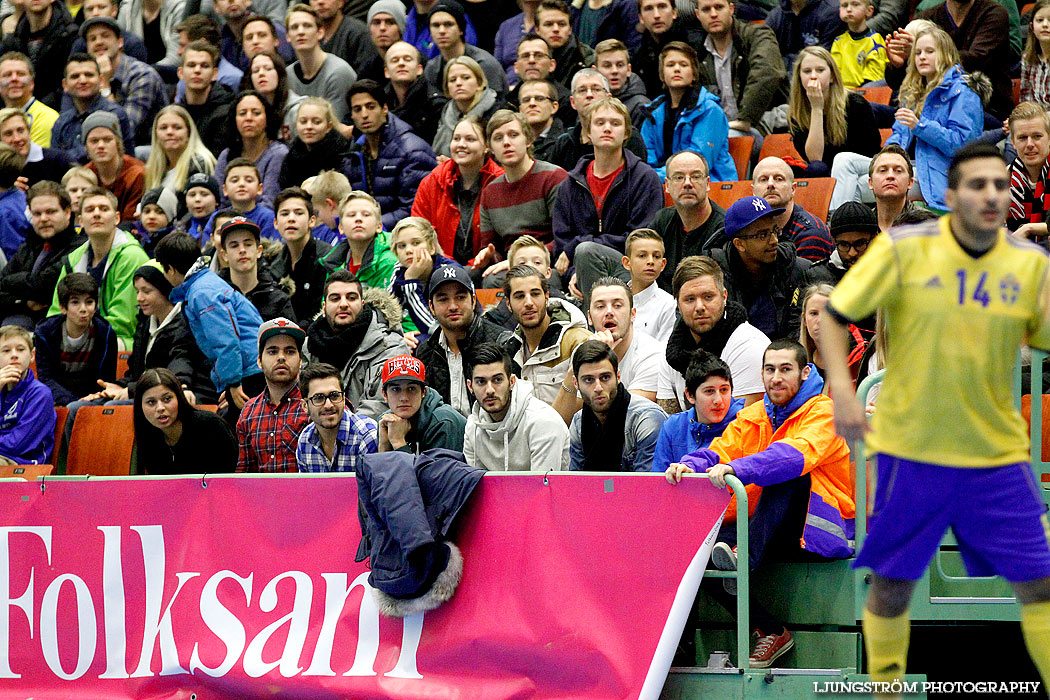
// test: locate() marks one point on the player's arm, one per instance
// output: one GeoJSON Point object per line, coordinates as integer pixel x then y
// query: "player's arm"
{"type": "Point", "coordinates": [850, 421]}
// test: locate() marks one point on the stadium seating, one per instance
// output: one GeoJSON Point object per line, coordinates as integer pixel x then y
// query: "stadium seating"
{"type": "Point", "coordinates": [779, 145]}
{"type": "Point", "coordinates": [740, 149]}
{"type": "Point", "coordinates": [814, 195]}
{"type": "Point", "coordinates": [877, 95]}
{"type": "Point", "coordinates": [102, 441]}
{"type": "Point", "coordinates": [61, 414]}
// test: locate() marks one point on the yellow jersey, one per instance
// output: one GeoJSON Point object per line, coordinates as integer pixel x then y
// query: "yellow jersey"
{"type": "Point", "coordinates": [41, 119]}
{"type": "Point", "coordinates": [954, 324]}
{"type": "Point", "coordinates": [860, 58]}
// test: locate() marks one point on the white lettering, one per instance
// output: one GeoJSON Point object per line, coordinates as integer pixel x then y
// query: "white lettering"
{"type": "Point", "coordinates": [298, 625]}
{"type": "Point", "coordinates": [85, 627]}
{"type": "Point", "coordinates": [154, 623]}
{"type": "Point", "coordinates": [224, 624]}
{"type": "Point", "coordinates": [24, 601]}
{"type": "Point", "coordinates": [113, 603]}
{"type": "Point", "coordinates": [412, 632]}
{"type": "Point", "coordinates": [367, 631]}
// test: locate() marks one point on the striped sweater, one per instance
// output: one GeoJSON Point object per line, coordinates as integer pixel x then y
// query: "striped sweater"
{"type": "Point", "coordinates": [512, 209]}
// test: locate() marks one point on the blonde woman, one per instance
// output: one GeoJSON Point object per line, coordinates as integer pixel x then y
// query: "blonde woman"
{"type": "Point", "coordinates": [938, 112]}
{"type": "Point", "coordinates": [468, 93]}
{"type": "Point", "coordinates": [823, 117]}
{"type": "Point", "coordinates": [176, 151]}
{"type": "Point", "coordinates": [318, 144]}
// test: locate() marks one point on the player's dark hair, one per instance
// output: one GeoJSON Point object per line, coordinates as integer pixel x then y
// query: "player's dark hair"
{"type": "Point", "coordinates": [343, 275]}
{"type": "Point", "coordinates": [971, 151]}
{"type": "Point", "coordinates": [178, 251]}
{"type": "Point", "coordinates": [294, 193]}
{"type": "Point", "coordinates": [76, 283]}
{"type": "Point", "coordinates": [521, 272]}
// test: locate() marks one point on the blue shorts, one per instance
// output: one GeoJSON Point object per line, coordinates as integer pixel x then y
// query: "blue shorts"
{"type": "Point", "coordinates": [996, 513]}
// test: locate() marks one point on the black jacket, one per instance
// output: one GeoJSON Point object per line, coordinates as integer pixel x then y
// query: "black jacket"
{"type": "Point", "coordinates": [267, 296]}
{"type": "Point", "coordinates": [18, 284]}
{"type": "Point", "coordinates": [213, 118]}
{"type": "Point", "coordinates": [303, 162]}
{"type": "Point", "coordinates": [49, 59]}
{"type": "Point", "coordinates": [773, 307]}
{"type": "Point", "coordinates": [422, 108]}
{"type": "Point", "coordinates": [308, 275]}
{"type": "Point", "coordinates": [52, 167]}
{"type": "Point", "coordinates": [433, 356]}
{"type": "Point", "coordinates": [200, 428]}
{"type": "Point", "coordinates": [173, 348]}
{"type": "Point", "coordinates": [101, 364]}
{"type": "Point", "coordinates": [569, 148]}
{"type": "Point", "coordinates": [571, 59]}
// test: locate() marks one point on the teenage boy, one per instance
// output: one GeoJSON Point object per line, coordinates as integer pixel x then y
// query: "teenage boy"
{"type": "Point", "coordinates": [243, 186]}
{"type": "Point", "coordinates": [709, 391]}
{"type": "Point", "coordinates": [270, 424]}
{"type": "Point", "coordinates": [222, 321]}
{"type": "Point", "coordinates": [301, 254]}
{"type": "Point", "coordinates": [78, 348]}
{"type": "Point", "coordinates": [612, 60]}
{"type": "Point", "coordinates": [27, 429]}
{"type": "Point", "coordinates": [859, 52]}
{"type": "Point", "coordinates": [525, 250]}
{"type": "Point", "coordinates": [118, 172]}
{"type": "Point", "coordinates": [364, 250]}
{"type": "Point", "coordinates": [81, 84]}
{"type": "Point", "coordinates": [316, 72]}
{"type": "Point", "coordinates": [111, 257]}
{"type": "Point", "coordinates": [327, 189]}
{"type": "Point", "coordinates": [14, 226]}
{"type": "Point", "coordinates": [336, 437]}
{"type": "Point", "coordinates": [448, 27]}
{"type": "Point", "coordinates": [554, 24]}
{"type": "Point", "coordinates": [241, 242]}
{"type": "Point", "coordinates": [207, 100]}
{"type": "Point", "coordinates": [202, 200]}
{"type": "Point", "coordinates": [615, 430]}
{"type": "Point", "coordinates": [612, 193]}
{"type": "Point", "coordinates": [853, 226]}
{"type": "Point", "coordinates": [418, 420]}
{"type": "Point", "coordinates": [644, 259]}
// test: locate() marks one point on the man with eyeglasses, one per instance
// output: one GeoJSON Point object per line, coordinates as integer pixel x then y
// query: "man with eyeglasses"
{"type": "Point", "coordinates": [535, 63]}
{"type": "Point", "coordinates": [538, 103]}
{"type": "Point", "coordinates": [355, 337]}
{"type": "Point", "coordinates": [271, 422]}
{"type": "Point", "coordinates": [853, 225]}
{"type": "Point", "coordinates": [774, 182]}
{"type": "Point", "coordinates": [336, 437]}
{"type": "Point", "coordinates": [761, 273]}
{"type": "Point", "coordinates": [694, 223]}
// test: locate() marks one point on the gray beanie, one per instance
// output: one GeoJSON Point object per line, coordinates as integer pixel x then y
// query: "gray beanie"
{"type": "Point", "coordinates": [163, 198]}
{"type": "Point", "coordinates": [101, 118]}
{"type": "Point", "coordinates": [394, 8]}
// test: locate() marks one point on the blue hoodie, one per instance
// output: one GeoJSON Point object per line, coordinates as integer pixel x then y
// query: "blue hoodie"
{"type": "Point", "coordinates": [27, 425]}
{"type": "Point", "coordinates": [702, 127]}
{"type": "Point", "coordinates": [682, 434]}
{"type": "Point", "coordinates": [223, 322]}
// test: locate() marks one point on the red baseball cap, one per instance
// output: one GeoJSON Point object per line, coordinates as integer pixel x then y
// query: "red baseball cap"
{"type": "Point", "coordinates": [404, 367]}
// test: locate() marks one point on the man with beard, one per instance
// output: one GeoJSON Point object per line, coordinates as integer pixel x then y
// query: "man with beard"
{"type": "Point", "coordinates": [615, 430]}
{"type": "Point", "coordinates": [548, 332]}
{"type": "Point", "coordinates": [509, 429]}
{"type": "Point", "coordinates": [774, 182]}
{"type": "Point", "coordinates": [355, 337]}
{"type": "Point", "coordinates": [711, 322]}
{"type": "Point", "coordinates": [461, 328]}
{"type": "Point", "coordinates": [417, 420]}
{"type": "Point", "coordinates": [271, 422]}
{"type": "Point", "coordinates": [760, 272]}
{"type": "Point", "coordinates": [336, 438]}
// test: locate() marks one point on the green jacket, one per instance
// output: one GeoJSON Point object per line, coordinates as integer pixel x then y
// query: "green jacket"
{"type": "Point", "coordinates": [435, 425]}
{"type": "Point", "coordinates": [117, 297]}
{"type": "Point", "coordinates": [377, 267]}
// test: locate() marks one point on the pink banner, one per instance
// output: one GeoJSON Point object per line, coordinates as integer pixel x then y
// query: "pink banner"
{"type": "Point", "coordinates": [574, 586]}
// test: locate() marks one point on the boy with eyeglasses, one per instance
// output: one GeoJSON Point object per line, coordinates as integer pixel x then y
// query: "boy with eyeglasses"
{"type": "Point", "coordinates": [853, 225]}
{"type": "Point", "coordinates": [336, 437]}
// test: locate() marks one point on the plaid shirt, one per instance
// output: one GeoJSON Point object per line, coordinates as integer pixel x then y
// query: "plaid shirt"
{"type": "Point", "coordinates": [140, 90]}
{"type": "Point", "coordinates": [267, 433]}
{"type": "Point", "coordinates": [809, 234]}
{"type": "Point", "coordinates": [357, 436]}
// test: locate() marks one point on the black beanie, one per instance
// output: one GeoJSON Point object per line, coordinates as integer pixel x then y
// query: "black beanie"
{"type": "Point", "coordinates": [456, 10]}
{"type": "Point", "coordinates": [151, 273]}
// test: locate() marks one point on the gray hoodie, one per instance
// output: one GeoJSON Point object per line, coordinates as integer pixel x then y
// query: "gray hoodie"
{"type": "Point", "coordinates": [531, 437]}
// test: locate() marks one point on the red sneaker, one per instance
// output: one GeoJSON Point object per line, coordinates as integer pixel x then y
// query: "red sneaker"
{"type": "Point", "coordinates": [770, 647]}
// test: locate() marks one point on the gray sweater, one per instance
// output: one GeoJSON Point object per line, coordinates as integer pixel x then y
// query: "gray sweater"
{"type": "Point", "coordinates": [332, 82]}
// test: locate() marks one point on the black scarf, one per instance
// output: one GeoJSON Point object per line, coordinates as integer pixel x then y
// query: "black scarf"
{"type": "Point", "coordinates": [681, 346]}
{"type": "Point", "coordinates": [336, 347]}
{"type": "Point", "coordinates": [603, 442]}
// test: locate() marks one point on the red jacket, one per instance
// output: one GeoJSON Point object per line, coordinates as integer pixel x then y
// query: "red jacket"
{"type": "Point", "coordinates": [435, 203]}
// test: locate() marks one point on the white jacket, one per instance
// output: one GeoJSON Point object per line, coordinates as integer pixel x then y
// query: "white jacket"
{"type": "Point", "coordinates": [531, 437]}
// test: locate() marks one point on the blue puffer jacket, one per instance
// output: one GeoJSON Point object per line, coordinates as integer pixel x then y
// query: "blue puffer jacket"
{"type": "Point", "coordinates": [404, 160]}
{"type": "Point", "coordinates": [951, 116]}
{"type": "Point", "coordinates": [702, 128]}
{"type": "Point", "coordinates": [632, 201]}
{"type": "Point", "coordinates": [223, 322]}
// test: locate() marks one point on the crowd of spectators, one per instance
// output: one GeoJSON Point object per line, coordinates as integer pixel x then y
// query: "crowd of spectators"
{"type": "Point", "coordinates": [284, 215]}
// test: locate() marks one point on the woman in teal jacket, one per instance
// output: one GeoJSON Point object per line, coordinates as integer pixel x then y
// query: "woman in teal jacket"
{"type": "Point", "coordinates": [687, 116]}
{"type": "Point", "coordinates": [938, 111]}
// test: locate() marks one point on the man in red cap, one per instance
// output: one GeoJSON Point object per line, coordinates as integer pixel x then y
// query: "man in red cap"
{"type": "Point", "coordinates": [418, 419]}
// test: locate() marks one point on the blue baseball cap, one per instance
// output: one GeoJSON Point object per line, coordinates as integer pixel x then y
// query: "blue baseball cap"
{"type": "Point", "coordinates": [746, 211]}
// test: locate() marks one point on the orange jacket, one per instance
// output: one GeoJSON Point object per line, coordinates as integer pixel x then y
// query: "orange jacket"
{"type": "Point", "coordinates": [769, 444]}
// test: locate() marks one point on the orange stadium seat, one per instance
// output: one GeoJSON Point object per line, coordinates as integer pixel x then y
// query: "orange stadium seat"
{"type": "Point", "coordinates": [1026, 411]}
{"type": "Point", "coordinates": [877, 95]}
{"type": "Point", "coordinates": [725, 193]}
{"type": "Point", "coordinates": [814, 195]}
{"type": "Point", "coordinates": [102, 441]}
{"type": "Point", "coordinates": [1017, 90]}
{"type": "Point", "coordinates": [779, 145]}
{"type": "Point", "coordinates": [123, 358]}
{"type": "Point", "coordinates": [884, 134]}
{"type": "Point", "coordinates": [740, 149]}
{"type": "Point", "coordinates": [61, 414]}
{"type": "Point", "coordinates": [489, 297]}
{"type": "Point", "coordinates": [29, 472]}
